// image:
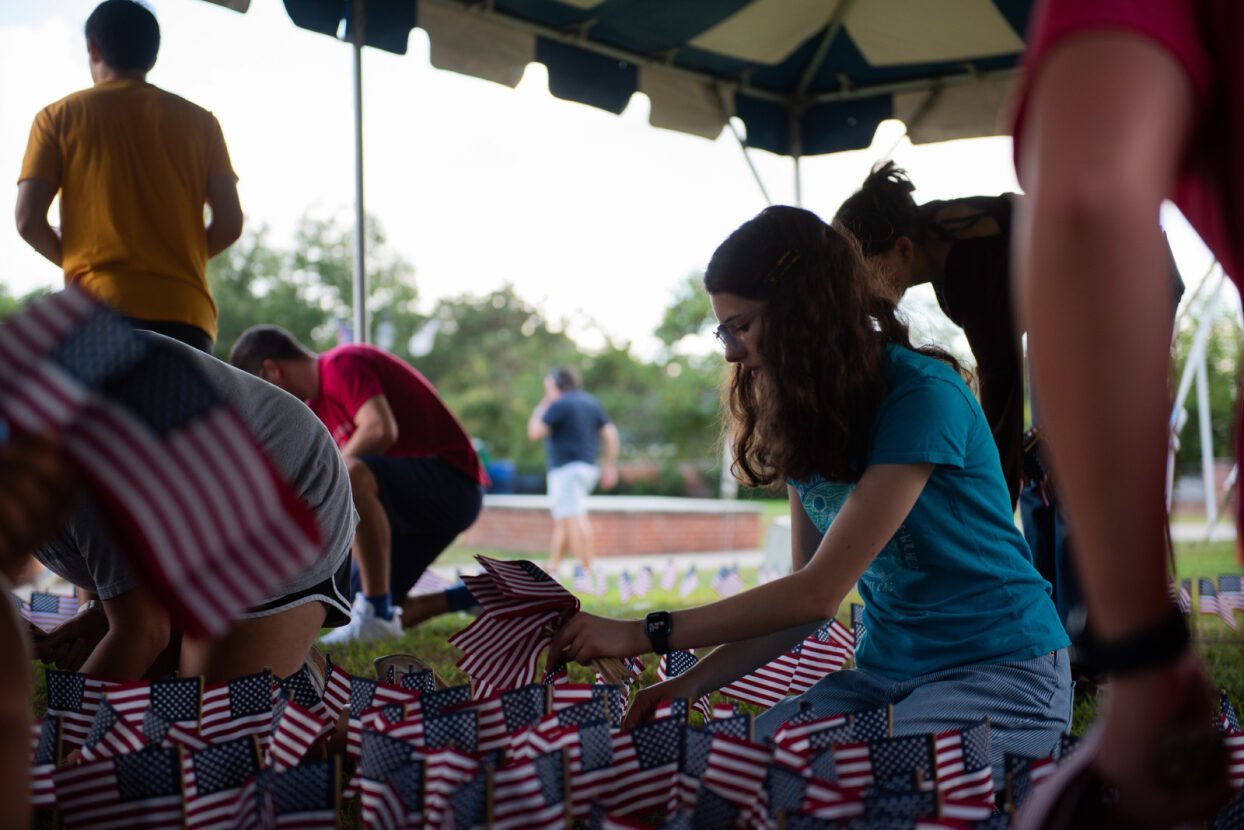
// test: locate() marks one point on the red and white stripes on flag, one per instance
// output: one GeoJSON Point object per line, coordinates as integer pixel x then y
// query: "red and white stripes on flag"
{"type": "Point", "coordinates": [823, 652]}
{"type": "Point", "coordinates": [295, 730]}
{"type": "Point", "coordinates": [142, 789]}
{"type": "Point", "coordinates": [501, 648]}
{"type": "Point", "coordinates": [768, 684]}
{"type": "Point", "coordinates": [210, 525]}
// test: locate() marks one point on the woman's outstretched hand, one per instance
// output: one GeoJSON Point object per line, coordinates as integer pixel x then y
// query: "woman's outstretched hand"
{"type": "Point", "coordinates": [584, 637]}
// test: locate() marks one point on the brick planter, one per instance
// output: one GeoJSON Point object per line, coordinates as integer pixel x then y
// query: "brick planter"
{"type": "Point", "coordinates": [621, 525]}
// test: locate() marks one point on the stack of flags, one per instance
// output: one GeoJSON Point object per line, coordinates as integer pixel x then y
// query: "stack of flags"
{"type": "Point", "coordinates": [825, 650]}
{"type": "Point", "coordinates": [1222, 598]}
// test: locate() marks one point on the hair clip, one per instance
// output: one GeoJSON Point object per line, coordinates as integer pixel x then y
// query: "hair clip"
{"type": "Point", "coordinates": [785, 262]}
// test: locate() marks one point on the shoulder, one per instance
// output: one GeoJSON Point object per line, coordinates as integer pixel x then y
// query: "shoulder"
{"type": "Point", "coordinates": [910, 372]}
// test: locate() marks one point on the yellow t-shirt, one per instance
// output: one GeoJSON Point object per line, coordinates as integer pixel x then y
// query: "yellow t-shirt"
{"type": "Point", "coordinates": [132, 163]}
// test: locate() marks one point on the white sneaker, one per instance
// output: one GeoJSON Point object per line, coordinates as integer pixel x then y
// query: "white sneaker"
{"type": "Point", "coordinates": [365, 626]}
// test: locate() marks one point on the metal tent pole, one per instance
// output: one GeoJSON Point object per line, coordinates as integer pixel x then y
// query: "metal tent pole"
{"type": "Point", "coordinates": [361, 329]}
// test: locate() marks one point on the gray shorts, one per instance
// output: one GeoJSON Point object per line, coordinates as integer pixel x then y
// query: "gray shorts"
{"type": "Point", "coordinates": [1028, 703]}
{"type": "Point", "coordinates": [569, 486]}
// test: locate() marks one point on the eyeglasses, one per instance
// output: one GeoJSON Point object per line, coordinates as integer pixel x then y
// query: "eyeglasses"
{"type": "Point", "coordinates": [729, 334]}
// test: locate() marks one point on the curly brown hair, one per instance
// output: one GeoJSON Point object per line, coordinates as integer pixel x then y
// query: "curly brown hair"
{"type": "Point", "coordinates": [824, 348]}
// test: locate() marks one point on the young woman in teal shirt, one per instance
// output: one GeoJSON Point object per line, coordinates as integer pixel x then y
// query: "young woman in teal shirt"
{"type": "Point", "coordinates": [895, 486]}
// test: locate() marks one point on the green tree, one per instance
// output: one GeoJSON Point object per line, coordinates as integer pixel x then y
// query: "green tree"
{"type": "Point", "coordinates": [688, 313]}
{"type": "Point", "coordinates": [1222, 360]}
{"type": "Point", "coordinates": [307, 287]}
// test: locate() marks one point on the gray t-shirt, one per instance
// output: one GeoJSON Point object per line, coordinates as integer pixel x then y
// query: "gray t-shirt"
{"type": "Point", "coordinates": [297, 443]}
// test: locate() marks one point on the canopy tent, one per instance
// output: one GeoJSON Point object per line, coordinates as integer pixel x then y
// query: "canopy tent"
{"type": "Point", "coordinates": [804, 77]}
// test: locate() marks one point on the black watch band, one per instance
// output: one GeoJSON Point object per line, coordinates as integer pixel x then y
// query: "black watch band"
{"type": "Point", "coordinates": [659, 625]}
{"type": "Point", "coordinates": [1159, 644]}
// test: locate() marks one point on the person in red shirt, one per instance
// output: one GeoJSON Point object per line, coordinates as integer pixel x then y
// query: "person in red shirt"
{"type": "Point", "coordinates": [1126, 103]}
{"type": "Point", "coordinates": [416, 479]}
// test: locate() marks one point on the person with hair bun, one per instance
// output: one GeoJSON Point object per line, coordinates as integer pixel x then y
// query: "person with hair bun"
{"type": "Point", "coordinates": [894, 484]}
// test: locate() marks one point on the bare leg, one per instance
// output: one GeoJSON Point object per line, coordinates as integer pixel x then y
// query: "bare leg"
{"type": "Point", "coordinates": [373, 537]}
{"type": "Point", "coordinates": [279, 642]}
{"type": "Point", "coordinates": [423, 607]}
{"type": "Point", "coordinates": [581, 542]}
{"type": "Point", "coordinates": [559, 543]}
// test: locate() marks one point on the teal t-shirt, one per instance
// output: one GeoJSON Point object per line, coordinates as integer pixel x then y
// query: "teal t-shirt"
{"type": "Point", "coordinates": [956, 585]}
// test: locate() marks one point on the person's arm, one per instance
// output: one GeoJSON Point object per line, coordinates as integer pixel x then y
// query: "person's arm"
{"type": "Point", "coordinates": [34, 199]}
{"type": "Point", "coordinates": [537, 429]}
{"type": "Point", "coordinates": [1109, 118]}
{"type": "Point", "coordinates": [138, 632]}
{"type": "Point", "coordinates": [375, 429]}
{"type": "Point", "coordinates": [868, 520]}
{"type": "Point", "coordinates": [609, 443]}
{"type": "Point", "coordinates": [226, 226]}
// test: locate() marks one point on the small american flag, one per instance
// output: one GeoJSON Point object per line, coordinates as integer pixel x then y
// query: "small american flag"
{"type": "Point", "coordinates": [157, 705]}
{"type": "Point", "coordinates": [645, 762]}
{"type": "Point", "coordinates": [468, 805]}
{"type": "Point", "coordinates": [963, 764]}
{"type": "Point", "coordinates": [736, 771]}
{"type": "Point", "coordinates": [306, 797]}
{"type": "Point", "coordinates": [676, 663]}
{"type": "Point", "coordinates": [669, 577]}
{"type": "Point", "coordinates": [824, 651]}
{"type": "Point", "coordinates": [338, 686]}
{"type": "Point", "coordinates": [110, 735]}
{"type": "Point", "coordinates": [784, 791]}
{"type": "Point", "coordinates": [302, 689]}
{"type": "Point", "coordinates": [1210, 603]}
{"type": "Point", "coordinates": [830, 800]}
{"type": "Point", "coordinates": [805, 732]}
{"type": "Point", "coordinates": [1227, 720]}
{"type": "Point", "coordinates": [1235, 758]}
{"type": "Point", "coordinates": [768, 684]}
{"type": "Point", "coordinates": [196, 502]}
{"type": "Point", "coordinates": [382, 755]}
{"type": "Point", "coordinates": [423, 680]}
{"type": "Point", "coordinates": [1018, 771]}
{"type": "Point", "coordinates": [47, 611]}
{"type": "Point", "coordinates": [452, 729]}
{"type": "Point", "coordinates": [220, 783]}
{"type": "Point", "coordinates": [295, 729]}
{"type": "Point", "coordinates": [728, 581]}
{"type": "Point", "coordinates": [532, 794]}
{"type": "Point", "coordinates": [857, 624]}
{"type": "Point", "coordinates": [690, 582]}
{"type": "Point", "coordinates": [447, 770]}
{"type": "Point", "coordinates": [583, 581]}
{"type": "Point", "coordinates": [429, 583]}
{"type": "Point", "coordinates": [241, 707]}
{"type": "Point", "coordinates": [141, 789]}
{"type": "Point", "coordinates": [872, 724]}
{"type": "Point", "coordinates": [45, 755]}
{"type": "Point", "coordinates": [1230, 596]}
{"type": "Point", "coordinates": [1183, 595]}
{"type": "Point", "coordinates": [626, 587]}
{"type": "Point", "coordinates": [75, 697]}
{"type": "Point", "coordinates": [643, 583]}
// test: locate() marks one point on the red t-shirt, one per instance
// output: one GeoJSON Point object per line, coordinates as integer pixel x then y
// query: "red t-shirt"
{"type": "Point", "coordinates": [1205, 37]}
{"type": "Point", "coordinates": [350, 376]}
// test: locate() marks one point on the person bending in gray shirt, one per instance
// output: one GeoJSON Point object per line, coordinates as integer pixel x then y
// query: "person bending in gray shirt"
{"type": "Point", "coordinates": [126, 634]}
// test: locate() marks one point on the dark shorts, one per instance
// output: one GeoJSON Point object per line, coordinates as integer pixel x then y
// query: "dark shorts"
{"type": "Point", "coordinates": [186, 333]}
{"type": "Point", "coordinates": [332, 591]}
{"type": "Point", "coordinates": [428, 503]}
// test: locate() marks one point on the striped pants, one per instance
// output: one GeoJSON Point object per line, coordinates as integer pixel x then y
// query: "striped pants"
{"type": "Point", "coordinates": [1028, 703]}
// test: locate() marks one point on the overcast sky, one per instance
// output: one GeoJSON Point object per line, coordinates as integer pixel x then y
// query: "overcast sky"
{"type": "Point", "coordinates": [593, 217]}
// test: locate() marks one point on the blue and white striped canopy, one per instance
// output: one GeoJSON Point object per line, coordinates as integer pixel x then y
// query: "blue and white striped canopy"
{"type": "Point", "coordinates": [804, 76]}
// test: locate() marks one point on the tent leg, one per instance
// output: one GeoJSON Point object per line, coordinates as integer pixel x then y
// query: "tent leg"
{"type": "Point", "coordinates": [361, 329]}
{"type": "Point", "coordinates": [747, 157]}
{"type": "Point", "coordinates": [798, 183]}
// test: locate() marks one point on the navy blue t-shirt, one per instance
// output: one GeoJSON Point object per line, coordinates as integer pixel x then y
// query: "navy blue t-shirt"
{"type": "Point", "coordinates": [574, 420]}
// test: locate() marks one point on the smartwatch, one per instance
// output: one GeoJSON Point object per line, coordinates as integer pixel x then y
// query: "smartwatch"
{"type": "Point", "coordinates": [659, 625]}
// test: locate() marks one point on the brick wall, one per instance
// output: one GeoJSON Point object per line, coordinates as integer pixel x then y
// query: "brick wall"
{"type": "Point", "coordinates": [621, 525]}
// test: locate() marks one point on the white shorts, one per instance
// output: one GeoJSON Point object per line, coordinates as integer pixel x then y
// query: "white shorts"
{"type": "Point", "coordinates": [569, 486]}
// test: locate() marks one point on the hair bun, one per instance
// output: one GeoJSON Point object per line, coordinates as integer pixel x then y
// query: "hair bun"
{"type": "Point", "coordinates": [886, 176]}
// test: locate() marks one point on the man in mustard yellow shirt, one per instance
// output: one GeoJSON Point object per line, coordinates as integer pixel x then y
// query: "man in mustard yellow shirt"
{"type": "Point", "coordinates": [134, 166]}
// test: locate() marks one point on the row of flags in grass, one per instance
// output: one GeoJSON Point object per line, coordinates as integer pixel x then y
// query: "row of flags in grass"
{"type": "Point", "coordinates": [726, 580]}
{"type": "Point", "coordinates": [1222, 599]}
{"type": "Point", "coordinates": [253, 753]}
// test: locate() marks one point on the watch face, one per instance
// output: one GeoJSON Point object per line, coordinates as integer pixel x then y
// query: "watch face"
{"type": "Point", "coordinates": [658, 624]}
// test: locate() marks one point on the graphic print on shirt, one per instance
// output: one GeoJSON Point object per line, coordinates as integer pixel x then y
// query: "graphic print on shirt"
{"type": "Point", "coordinates": [822, 500]}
